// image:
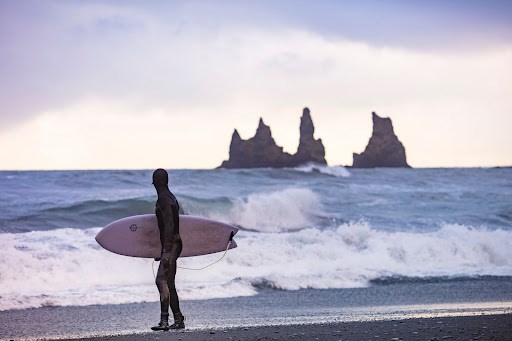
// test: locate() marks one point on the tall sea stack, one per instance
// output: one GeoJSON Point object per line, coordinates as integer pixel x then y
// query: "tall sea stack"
{"type": "Point", "coordinates": [384, 149]}
{"type": "Point", "coordinates": [262, 151]}
{"type": "Point", "coordinates": [310, 150]}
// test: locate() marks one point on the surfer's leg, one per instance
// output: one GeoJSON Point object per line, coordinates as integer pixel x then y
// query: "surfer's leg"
{"type": "Point", "coordinates": [161, 283]}
{"type": "Point", "coordinates": [174, 300]}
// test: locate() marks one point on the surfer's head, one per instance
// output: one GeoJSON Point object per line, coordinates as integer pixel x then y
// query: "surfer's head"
{"type": "Point", "coordinates": [160, 178]}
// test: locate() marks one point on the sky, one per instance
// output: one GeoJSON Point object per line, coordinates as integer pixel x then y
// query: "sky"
{"type": "Point", "coordinates": [147, 84]}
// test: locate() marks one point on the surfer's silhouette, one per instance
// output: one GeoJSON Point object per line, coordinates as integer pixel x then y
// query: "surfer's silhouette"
{"type": "Point", "coordinates": [167, 213]}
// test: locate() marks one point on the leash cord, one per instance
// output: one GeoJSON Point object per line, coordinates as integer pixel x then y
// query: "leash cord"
{"type": "Point", "coordinates": [196, 269]}
{"type": "Point", "coordinates": [206, 266]}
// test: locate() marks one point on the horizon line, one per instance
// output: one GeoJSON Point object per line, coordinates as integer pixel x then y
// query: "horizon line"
{"type": "Point", "coordinates": [234, 169]}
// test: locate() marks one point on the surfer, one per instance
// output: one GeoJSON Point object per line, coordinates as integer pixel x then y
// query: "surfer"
{"type": "Point", "coordinates": [167, 213]}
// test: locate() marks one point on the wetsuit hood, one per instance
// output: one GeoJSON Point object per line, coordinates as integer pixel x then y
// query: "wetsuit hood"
{"type": "Point", "coordinates": [160, 178]}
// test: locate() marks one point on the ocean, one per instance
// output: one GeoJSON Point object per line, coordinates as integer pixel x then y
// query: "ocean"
{"type": "Point", "coordinates": [310, 230]}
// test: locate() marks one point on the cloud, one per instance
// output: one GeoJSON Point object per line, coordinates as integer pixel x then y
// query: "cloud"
{"type": "Point", "coordinates": [82, 79]}
{"type": "Point", "coordinates": [58, 51]}
{"type": "Point", "coordinates": [436, 101]}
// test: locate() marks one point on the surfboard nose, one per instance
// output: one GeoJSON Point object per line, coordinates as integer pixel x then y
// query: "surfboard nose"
{"type": "Point", "coordinates": [102, 239]}
{"type": "Point", "coordinates": [99, 238]}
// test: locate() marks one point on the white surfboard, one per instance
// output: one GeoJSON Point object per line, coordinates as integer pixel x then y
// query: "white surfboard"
{"type": "Point", "coordinates": [138, 236]}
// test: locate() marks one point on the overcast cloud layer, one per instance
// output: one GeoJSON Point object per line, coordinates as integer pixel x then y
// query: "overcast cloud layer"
{"type": "Point", "coordinates": [98, 84]}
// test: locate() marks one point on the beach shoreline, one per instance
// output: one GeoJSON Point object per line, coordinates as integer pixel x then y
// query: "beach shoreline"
{"type": "Point", "coordinates": [277, 314]}
{"type": "Point", "coordinates": [479, 327]}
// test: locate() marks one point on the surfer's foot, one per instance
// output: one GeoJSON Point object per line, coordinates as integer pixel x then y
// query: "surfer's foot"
{"type": "Point", "coordinates": [177, 325]}
{"type": "Point", "coordinates": [179, 322]}
{"type": "Point", "coordinates": [164, 323]}
{"type": "Point", "coordinates": [161, 327]}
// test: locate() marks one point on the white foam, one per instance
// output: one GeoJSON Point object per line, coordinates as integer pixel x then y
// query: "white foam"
{"type": "Point", "coordinates": [354, 254]}
{"type": "Point", "coordinates": [63, 267]}
{"type": "Point", "coordinates": [67, 267]}
{"type": "Point", "coordinates": [283, 210]}
{"type": "Point", "coordinates": [337, 171]}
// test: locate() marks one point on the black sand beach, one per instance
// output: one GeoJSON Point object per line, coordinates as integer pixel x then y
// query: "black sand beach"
{"type": "Point", "coordinates": [483, 327]}
{"type": "Point", "coordinates": [480, 308]}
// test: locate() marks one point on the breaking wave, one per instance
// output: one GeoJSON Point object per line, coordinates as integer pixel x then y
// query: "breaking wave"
{"type": "Point", "coordinates": [288, 209]}
{"type": "Point", "coordinates": [337, 171]}
{"type": "Point", "coordinates": [66, 266]}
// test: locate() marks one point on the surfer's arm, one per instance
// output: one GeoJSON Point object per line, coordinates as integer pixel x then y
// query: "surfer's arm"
{"type": "Point", "coordinates": [168, 227]}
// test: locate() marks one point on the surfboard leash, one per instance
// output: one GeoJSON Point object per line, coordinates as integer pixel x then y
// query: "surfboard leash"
{"type": "Point", "coordinates": [204, 267]}
{"type": "Point", "coordinates": [207, 266]}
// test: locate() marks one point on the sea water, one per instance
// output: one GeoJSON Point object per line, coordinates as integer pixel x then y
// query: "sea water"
{"type": "Point", "coordinates": [303, 228]}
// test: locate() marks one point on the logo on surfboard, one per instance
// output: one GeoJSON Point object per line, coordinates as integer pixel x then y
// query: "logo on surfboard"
{"type": "Point", "coordinates": [133, 227]}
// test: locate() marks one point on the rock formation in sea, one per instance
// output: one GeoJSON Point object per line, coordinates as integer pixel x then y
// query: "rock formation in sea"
{"type": "Point", "coordinates": [310, 150]}
{"type": "Point", "coordinates": [262, 151]}
{"type": "Point", "coordinates": [384, 149]}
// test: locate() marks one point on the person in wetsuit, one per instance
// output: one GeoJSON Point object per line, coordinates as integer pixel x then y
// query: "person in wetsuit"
{"type": "Point", "coordinates": [167, 213]}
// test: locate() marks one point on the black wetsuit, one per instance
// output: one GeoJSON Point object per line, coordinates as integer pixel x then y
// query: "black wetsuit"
{"type": "Point", "coordinates": [167, 213]}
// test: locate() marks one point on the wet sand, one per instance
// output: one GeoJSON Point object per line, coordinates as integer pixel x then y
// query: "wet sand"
{"type": "Point", "coordinates": [423, 311]}
{"type": "Point", "coordinates": [482, 327]}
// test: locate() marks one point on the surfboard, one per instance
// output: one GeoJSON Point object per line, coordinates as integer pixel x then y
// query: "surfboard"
{"type": "Point", "coordinates": [138, 236]}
